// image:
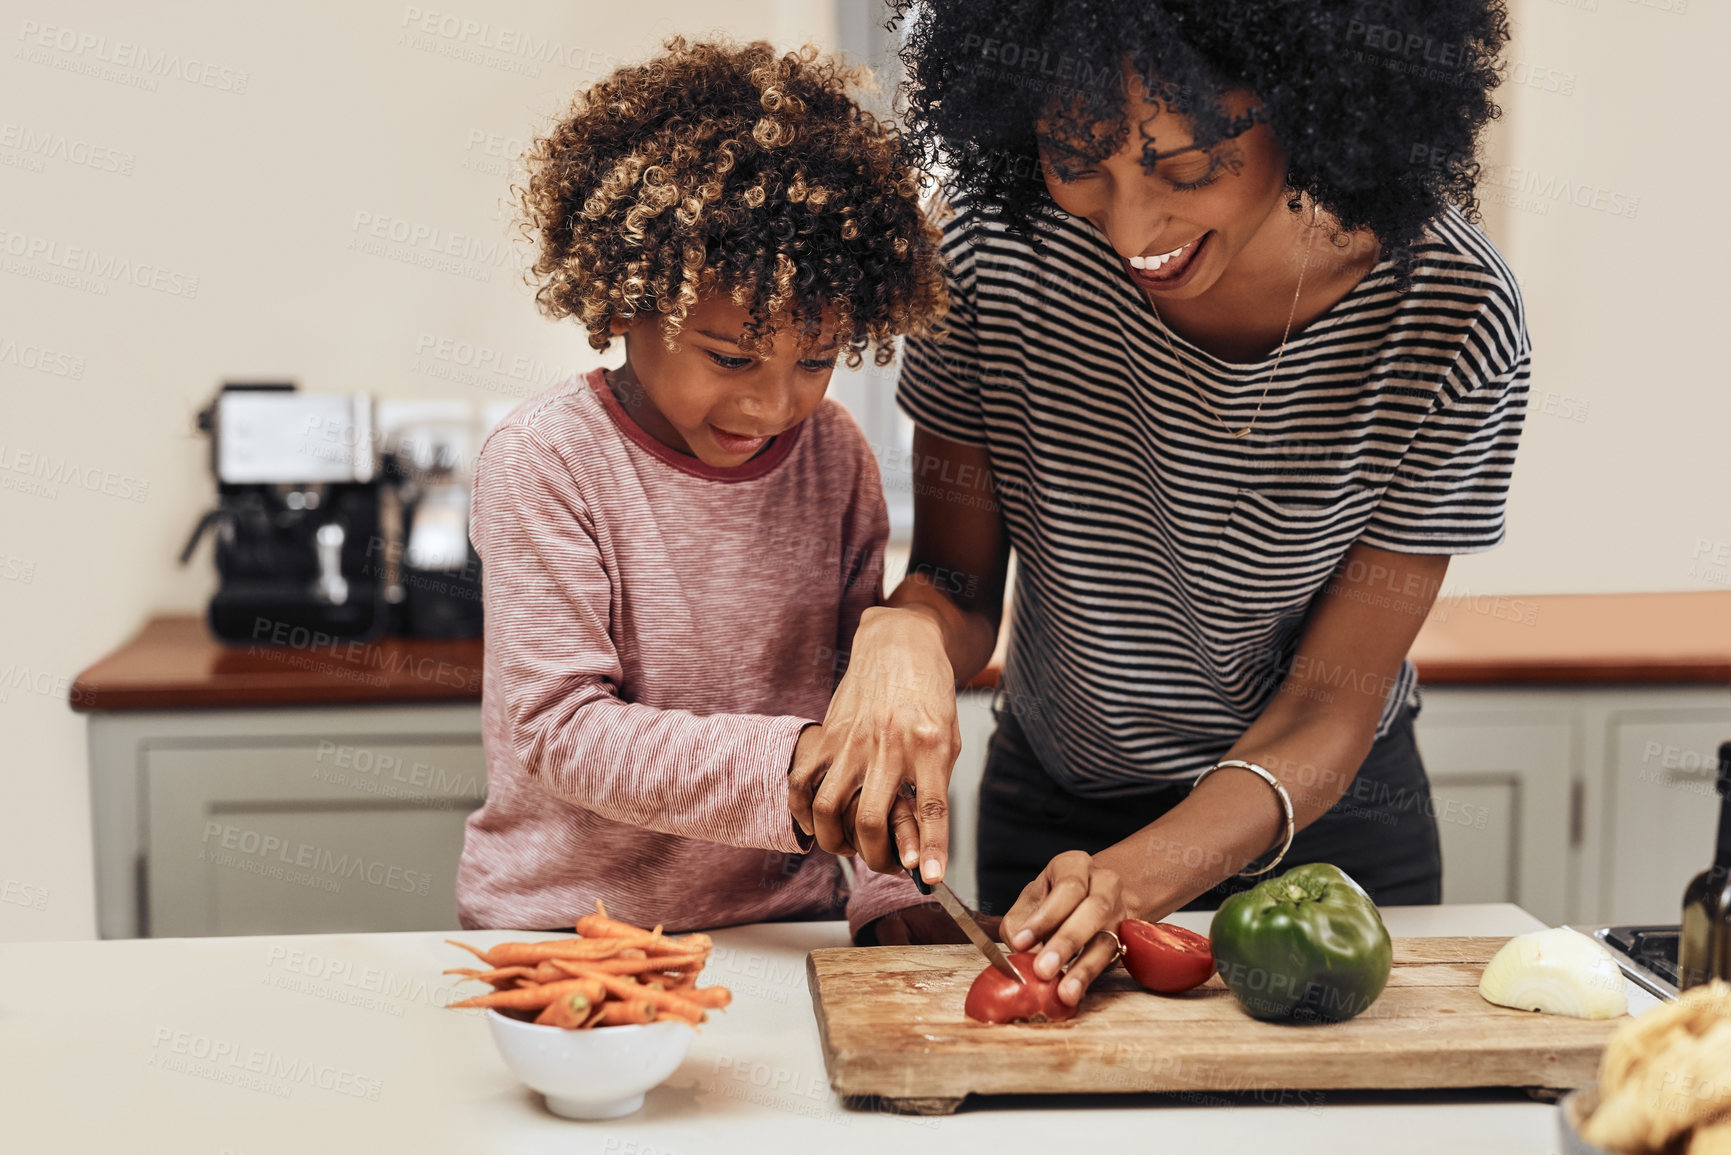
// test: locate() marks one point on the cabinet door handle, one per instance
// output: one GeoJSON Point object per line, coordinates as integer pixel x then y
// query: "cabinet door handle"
{"type": "Point", "coordinates": [141, 873]}
{"type": "Point", "coordinates": [1577, 813]}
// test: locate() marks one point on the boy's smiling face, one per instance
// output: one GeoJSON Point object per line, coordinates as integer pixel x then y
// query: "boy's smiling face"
{"type": "Point", "coordinates": [711, 399]}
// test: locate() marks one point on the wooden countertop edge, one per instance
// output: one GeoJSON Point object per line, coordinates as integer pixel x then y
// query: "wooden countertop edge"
{"type": "Point", "coordinates": [182, 645]}
{"type": "Point", "coordinates": [94, 699]}
{"type": "Point", "coordinates": [172, 662]}
{"type": "Point", "coordinates": [1445, 672]}
{"type": "Point", "coordinates": [1503, 672]}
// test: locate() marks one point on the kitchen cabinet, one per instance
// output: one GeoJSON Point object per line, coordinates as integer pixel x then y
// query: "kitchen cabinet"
{"type": "Point", "coordinates": [282, 821]}
{"type": "Point", "coordinates": [1662, 809]}
{"type": "Point", "coordinates": [1583, 805]}
{"type": "Point", "coordinates": [1503, 782]}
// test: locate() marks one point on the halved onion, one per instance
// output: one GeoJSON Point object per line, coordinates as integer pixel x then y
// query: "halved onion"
{"type": "Point", "coordinates": [1556, 972]}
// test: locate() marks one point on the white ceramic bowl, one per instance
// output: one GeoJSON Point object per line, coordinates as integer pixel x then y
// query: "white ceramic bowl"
{"type": "Point", "coordinates": [600, 1073]}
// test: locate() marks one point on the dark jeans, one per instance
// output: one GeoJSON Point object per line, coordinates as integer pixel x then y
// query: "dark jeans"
{"type": "Point", "coordinates": [1383, 832]}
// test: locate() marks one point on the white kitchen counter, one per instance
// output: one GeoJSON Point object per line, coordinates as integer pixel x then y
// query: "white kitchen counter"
{"type": "Point", "coordinates": [317, 1044]}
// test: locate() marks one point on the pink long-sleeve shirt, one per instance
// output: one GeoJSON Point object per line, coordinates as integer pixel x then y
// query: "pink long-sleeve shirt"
{"type": "Point", "coordinates": [658, 632]}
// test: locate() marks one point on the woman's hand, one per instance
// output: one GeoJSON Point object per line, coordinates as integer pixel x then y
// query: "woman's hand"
{"type": "Point", "coordinates": [1064, 914]}
{"type": "Point", "coordinates": [891, 721]}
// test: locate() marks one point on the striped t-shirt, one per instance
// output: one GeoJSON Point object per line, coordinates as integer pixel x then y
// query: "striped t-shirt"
{"type": "Point", "coordinates": [1164, 569]}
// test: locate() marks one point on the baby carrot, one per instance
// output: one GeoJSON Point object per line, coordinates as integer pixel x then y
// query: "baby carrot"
{"type": "Point", "coordinates": [534, 953]}
{"type": "Point", "coordinates": [697, 944]}
{"type": "Point", "coordinates": [546, 973]}
{"type": "Point", "coordinates": [630, 966]}
{"type": "Point", "coordinates": [706, 996]}
{"type": "Point", "coordinates": [536, 997]}
{"type": "Point", "coordinates": [501, 977]}
{"type": "Point", "coordinates": [624, 987]}
{"type": "Point", "coordinates": [595, 926]}
{"type": "Point", "coordinates": [626, 1011]}
{"type": "Point", "coordinates": [568, 1011]}
{"type": "Point", "coordinates": [685, 986]}
{"type": "Point", "coordinates": [600, 925]}
{"type": "Point", "coordinates": [476, 951]}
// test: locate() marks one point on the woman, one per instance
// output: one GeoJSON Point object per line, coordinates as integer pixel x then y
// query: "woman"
{"type": "Point", "coordinates": [1231, 369]}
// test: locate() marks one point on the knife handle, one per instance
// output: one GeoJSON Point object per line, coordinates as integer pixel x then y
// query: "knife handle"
{"type": "Point", "coordinates": [914, 873]}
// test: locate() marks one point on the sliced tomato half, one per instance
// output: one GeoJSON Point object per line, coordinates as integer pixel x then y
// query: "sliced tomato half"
{"type": "Point", "coordinates": [1165, 958]}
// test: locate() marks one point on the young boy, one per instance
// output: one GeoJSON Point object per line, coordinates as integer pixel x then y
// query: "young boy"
{"type": "Point", "coordinates": [676, 550]}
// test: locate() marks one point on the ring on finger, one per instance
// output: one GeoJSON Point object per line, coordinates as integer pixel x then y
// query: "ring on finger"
{"type": "Point", "coordinates": [1117, 946]}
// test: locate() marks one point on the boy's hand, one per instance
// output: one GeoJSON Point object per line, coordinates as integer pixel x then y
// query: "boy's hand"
{"type": "Point", "coordinates": [809, 739]}
{"type": "Point", "coordinates": [904, 827]}
{"type": "Point", "coordinates": [804, 747]}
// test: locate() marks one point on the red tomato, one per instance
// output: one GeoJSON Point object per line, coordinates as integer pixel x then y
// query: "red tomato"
{"type": "Point", "coordinates": [1165, 958]}
{"type": "Point", "coordinates": [995, 997]}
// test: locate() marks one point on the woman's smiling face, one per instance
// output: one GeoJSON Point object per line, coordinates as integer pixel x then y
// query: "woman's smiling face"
{"type": "Point", "coordinates": [1185, 221]}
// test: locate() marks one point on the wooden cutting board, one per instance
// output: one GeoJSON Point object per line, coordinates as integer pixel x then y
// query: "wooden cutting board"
{"type": "Point", "coordinates": [893, 1029]}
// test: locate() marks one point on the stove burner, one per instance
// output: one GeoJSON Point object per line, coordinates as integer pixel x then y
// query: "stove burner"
{"type": "Point", "coordinates": [1646, 954]}
{"type": "Point", "coordinates": [1654, 947]}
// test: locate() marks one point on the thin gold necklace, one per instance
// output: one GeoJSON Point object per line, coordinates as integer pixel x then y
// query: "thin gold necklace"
{"type": "Point", "coordinates": [1309, 243]}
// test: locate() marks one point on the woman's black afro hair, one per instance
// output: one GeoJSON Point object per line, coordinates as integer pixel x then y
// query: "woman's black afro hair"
{"type": "Point", "coordinates": [1378, 104]}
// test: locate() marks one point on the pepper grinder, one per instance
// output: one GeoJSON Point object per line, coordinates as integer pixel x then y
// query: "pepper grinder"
{"type": "Point", "coordinates": [1705, 950]}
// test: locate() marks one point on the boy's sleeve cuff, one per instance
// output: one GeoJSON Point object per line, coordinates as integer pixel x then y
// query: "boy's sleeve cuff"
{"type": "Point", "coordinates": [776, 827]}
{"type": "Point", "coordinates": [875, 895]}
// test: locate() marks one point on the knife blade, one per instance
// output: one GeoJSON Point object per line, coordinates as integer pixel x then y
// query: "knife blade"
{"type": "Point", "coordinates": [955, 909]}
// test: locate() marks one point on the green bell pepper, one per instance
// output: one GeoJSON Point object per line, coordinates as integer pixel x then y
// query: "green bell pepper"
{"type": "Point", "coordinates": [1307, 946]}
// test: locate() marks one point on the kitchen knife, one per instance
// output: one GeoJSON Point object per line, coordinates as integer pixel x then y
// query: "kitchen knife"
{"type": "Point", "coordinates": [954, 908]}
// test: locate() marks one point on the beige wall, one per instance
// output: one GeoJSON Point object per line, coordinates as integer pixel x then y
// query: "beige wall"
{"type": "Point", "coordinates": [1622, 476]}
{"type": "Point", "coordinates": [346, 109]}
{"type": "Point", "coordinates": [256, 194]}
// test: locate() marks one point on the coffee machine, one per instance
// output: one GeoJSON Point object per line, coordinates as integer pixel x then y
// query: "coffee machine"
{"type": "Point", "coordinates": [298, 499]}
{"type": "Point", "coordinates": [432, 572]}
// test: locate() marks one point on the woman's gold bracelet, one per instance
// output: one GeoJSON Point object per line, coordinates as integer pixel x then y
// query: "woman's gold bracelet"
{"type": "Point", "coordinates": [1285, 806]}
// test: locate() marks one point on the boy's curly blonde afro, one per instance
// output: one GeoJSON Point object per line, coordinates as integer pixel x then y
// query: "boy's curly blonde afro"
{"type": "Point", "coordinates": [721, 168]}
